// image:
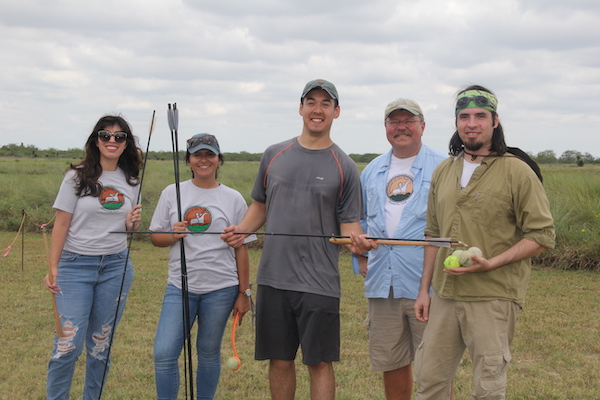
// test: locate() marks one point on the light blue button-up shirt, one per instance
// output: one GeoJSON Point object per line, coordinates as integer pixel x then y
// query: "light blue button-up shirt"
{"type": "Point", "coordinates": [396, 266]}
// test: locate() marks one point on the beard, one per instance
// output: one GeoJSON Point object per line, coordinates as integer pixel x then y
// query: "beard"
{"type": "Point", "coordinates": [472, 145]}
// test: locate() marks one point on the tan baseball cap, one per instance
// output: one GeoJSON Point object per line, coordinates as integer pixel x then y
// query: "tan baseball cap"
{"type": "Point", "coordinates": [403, 104]}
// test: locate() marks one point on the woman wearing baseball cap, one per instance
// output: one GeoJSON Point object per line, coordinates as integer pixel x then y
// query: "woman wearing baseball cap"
{"type": "Point", "coordinates": [217, 275]}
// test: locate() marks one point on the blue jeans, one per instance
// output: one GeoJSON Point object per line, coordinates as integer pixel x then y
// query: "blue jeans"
{"type": "Point", "coordinates": [212, 310]}
{"type": "Point", "coordinates": [90, 287]}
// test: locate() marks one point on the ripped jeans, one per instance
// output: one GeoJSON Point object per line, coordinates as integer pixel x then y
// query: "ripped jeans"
{"type": "Point", "coordinates": [88, 298]}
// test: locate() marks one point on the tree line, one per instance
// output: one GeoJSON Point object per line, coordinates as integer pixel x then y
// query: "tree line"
{"type": "Point", "coordinates": [31, 151]}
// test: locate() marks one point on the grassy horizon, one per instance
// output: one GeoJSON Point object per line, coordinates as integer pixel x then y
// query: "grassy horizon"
{"type": "Point", "coordinates": [31, 185]}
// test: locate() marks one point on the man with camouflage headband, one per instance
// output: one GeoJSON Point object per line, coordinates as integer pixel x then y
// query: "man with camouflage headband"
{"type": "Point", "coordinates": [489, 198]}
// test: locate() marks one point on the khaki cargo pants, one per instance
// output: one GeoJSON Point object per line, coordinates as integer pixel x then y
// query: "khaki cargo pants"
{"type": "Point", "coordinates": [486, 328]}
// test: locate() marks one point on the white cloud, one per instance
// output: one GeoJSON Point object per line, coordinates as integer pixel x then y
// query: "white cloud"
{"type": "Point", "coordinates": [236, 69]}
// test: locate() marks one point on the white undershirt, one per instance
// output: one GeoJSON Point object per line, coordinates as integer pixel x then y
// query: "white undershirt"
{"type": "Point", "coordinates": [468, 169]}
{"type": "Point", "coordinates": [400, 186]}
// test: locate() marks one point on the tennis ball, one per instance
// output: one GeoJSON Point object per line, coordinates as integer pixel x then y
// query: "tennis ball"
{"type": "Point", "coordinates": [457, 253]}
{"type": "Point", "coordinates": [232, 363]}
{"type": "Point", "coordinates": [465, 258]}
{"type": "Point", "coordinates": [451, 262]}
{"type": "Point", "coordinates": [477, 251]}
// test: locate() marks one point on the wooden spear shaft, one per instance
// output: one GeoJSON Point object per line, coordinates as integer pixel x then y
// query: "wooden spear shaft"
{"type": "Point", "coordinates": [342, 241]}
{"type": "Point", "coordinates": [57, 325]}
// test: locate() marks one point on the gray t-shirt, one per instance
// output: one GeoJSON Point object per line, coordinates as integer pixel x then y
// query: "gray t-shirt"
{"type": "Point", "coordinates": [305, 192]}
{"type": "Point", "coordinates": [94, 217]}
{"type": "Point", "coordinates": [210, 262]}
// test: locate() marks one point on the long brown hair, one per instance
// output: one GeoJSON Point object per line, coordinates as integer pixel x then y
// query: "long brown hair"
{"type": "Point", "coordinates": [89, 169]}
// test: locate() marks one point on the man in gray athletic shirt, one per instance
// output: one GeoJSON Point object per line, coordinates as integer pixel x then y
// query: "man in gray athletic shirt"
{"type": "Point", "coordinates": [305, 185]}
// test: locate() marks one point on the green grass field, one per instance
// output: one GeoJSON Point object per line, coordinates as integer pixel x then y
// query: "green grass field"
{"type": "Point", "coordinates": [556, 353]}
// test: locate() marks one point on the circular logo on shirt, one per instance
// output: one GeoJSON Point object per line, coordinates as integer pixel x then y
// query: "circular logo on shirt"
{"type": "Point", "coordinates": [400, 188]}
{"type": "Point", "coordinates": [111, 199]}
{"type": "Point", "coordinates": [198, 218]}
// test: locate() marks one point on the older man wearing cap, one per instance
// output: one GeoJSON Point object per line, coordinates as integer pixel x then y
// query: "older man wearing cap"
{"type": "Point", "coordinates": [306, 186]}
{"type": "Point", "coordinates": [395, 187]}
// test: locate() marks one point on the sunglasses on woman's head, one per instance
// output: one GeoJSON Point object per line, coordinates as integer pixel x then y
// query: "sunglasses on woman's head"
{"type": "Point", "coordinates": [195, 141]}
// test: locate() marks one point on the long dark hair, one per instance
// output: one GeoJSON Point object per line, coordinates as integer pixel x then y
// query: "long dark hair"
{"type": "Point", "coordinates": [89, 169]}
{"type": "Point", "coordinates": [498, 144]}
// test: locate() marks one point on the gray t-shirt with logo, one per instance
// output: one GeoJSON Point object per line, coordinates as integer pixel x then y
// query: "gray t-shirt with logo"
{"type": "Point", "coordinates": [210, 262]}
{"type": "Point", "coordinates": [306, 192]}
{"type": "Point", "coordinates": [94, 217]}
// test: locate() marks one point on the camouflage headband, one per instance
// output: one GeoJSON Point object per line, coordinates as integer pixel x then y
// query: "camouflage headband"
{"type": "Point", "coordinates": [476, 99]}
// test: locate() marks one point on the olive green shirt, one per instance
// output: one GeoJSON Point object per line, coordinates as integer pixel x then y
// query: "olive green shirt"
{"type": "Point", "coordinates": [503, 203]}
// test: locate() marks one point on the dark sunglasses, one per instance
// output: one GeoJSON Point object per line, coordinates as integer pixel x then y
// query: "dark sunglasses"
{"type": "Point", "coordinates": [480, 101]}
{"type": "Point", "coordinates": [105, 136]}
{"type": "Point", "coordinates": [195, 141]}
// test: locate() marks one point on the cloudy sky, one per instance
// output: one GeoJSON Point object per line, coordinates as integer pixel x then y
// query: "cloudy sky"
{"type": "Point", "coordinates": [236, 68]}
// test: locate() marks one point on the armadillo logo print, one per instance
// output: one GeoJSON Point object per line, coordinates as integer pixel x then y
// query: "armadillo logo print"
{"type": "Point", "coordinates": [198, 218]}
{"type": "Point", "coordinates": [111, 199]}
{"type": "Point", "coordinates": [400, 189]}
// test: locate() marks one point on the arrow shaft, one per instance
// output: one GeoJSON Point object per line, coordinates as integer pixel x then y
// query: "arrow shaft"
{"type": "Point", "coordinates": [340, 240]}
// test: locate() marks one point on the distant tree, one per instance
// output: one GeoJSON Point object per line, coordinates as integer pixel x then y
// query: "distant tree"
{"type": "Point", "coordinates": [242, 156]}
{"type": "Point", "coordinates": [164, 155]}
{"type": "Point", "coordinates": [363, 158]}
{"type": "Point", "coordinates": [15, 150]}
{"type": "Point", "coordinates": [588, 158]}
{"type": "Point", "coordinates": [569, 157]}
{"type": "Point", "coordinates": [31, 151]}
{"type": "Point", "coordinates": [53, 153]}
{"type": "Point", "coordinates": [546, 157]}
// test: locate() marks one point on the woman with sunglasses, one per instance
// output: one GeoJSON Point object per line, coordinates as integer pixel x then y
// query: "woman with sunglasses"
{"type": "Point", "coordinates": [217, 275]}
{"type": "Point", "coordinates": [88, 271]}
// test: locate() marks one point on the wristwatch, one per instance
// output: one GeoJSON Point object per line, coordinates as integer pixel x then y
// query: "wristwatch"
{"type": "Point", "coordinates": [247, 292]}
